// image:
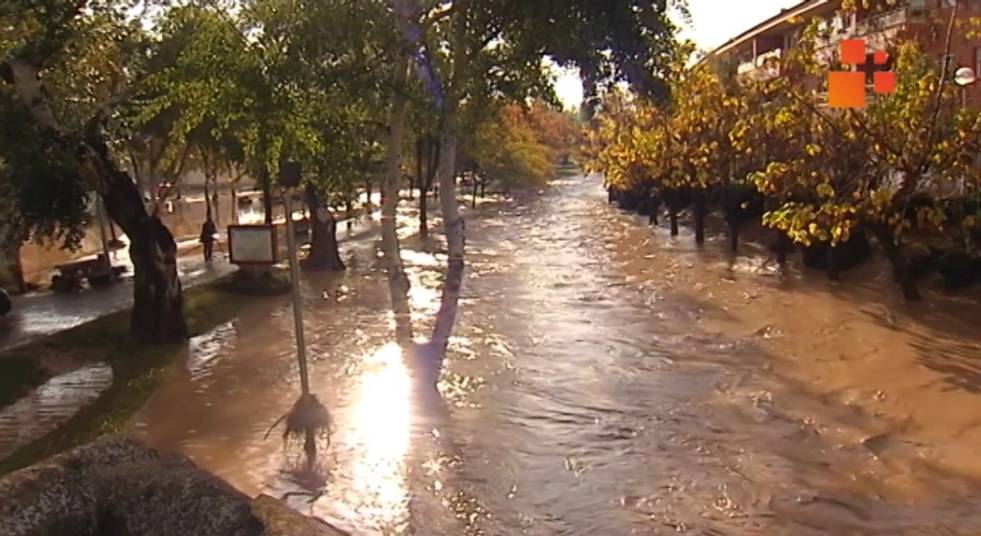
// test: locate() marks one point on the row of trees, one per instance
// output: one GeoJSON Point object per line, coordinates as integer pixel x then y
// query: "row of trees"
{"type": "Point", "coordinates": [903, 170]}
{"type": "Point", "coordinates": [101, 95]}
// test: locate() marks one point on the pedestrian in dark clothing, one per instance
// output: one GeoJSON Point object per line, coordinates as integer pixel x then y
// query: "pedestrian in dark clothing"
{"type": "Point", "coordinates": [209, 233]}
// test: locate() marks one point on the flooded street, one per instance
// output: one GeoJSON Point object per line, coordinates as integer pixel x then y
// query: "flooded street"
{"type": "Point", "coordinates": [604, 379]}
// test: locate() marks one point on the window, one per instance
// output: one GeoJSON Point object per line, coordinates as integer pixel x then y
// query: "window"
{"type": "Point", "coordinates": [917, 10]}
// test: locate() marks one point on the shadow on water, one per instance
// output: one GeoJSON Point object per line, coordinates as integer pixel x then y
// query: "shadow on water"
{"type": "Point", "coordinates": [589, 390]}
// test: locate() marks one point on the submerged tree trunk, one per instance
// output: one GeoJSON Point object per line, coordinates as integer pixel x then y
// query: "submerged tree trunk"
{"type": "Point", "coordinates": [699, 212]}
{"type": "Point", "coordinates": [325, 255]}
{"type": "Point", "coordinates": [398, 281]}
{"type": "Point", "coordinates": [158, 305]}
{"type": "Point", "coordinates": [901, 270]}
{"type": "Point", "coordinates": [733, 237]}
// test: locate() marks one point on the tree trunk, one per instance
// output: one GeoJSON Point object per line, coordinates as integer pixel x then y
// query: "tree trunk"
{"type": "Point", "coordinates": [673, 219]}
{"type": "Point", "coordinates": [833, 271]}
{"type": "Point", "coordinates": [214, 197]}
{"type": "Point", "coordinates": [453, 225]}
{"type": "Point", "coordinates": [367, 194]}
{"type": "Point", "coordinates": [207, 201]}
{"type": "Point", "coordinates": [325, 255]}
{"type": "Point", "coordinates": [901, 270]}
{"type": "Point", "coordinates": [432, 151]}
{"type": "Point", "coordinates": [421, 152]}
{"type": "Point", "coordinates": [158, 304]}
{"type": "Point", "coordinates": [265, 182]}
{"type": "Point", "coordinates": [349, 212]}
{"type": "Point", "coordinates": [234, 204]}
{"type": "Point", "coordinates": [700, 211]}
{"type": "Point", "coordinates": [398, 281]}
{"type": "Point", "coordinates": [11, 271]}
{"type": "Point", "coordinates": [208, 175]}
{"type": "Point", "coordinates": [473, 193]}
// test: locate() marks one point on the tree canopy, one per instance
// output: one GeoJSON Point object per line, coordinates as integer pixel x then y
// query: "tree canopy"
{"type": "Point", "coordinates": [902, 169]}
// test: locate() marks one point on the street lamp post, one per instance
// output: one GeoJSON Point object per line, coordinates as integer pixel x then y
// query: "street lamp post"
{"type": "Point", "coordinates": [964, 78]}
{"type": "Point", "coordinates": [290, 178]}
{"type": "Point", "coordinates": [308, 416]}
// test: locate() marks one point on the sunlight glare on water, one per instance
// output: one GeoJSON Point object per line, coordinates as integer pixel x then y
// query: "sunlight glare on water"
{"type": "Point", "coordinates": [380, 424]}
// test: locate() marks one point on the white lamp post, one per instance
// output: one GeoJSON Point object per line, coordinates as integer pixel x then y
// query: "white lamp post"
{"type": "Point", "coordinates": [963, 77]}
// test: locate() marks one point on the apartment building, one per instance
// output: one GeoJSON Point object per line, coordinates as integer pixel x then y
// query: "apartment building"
{"type": "Point", "coordinates": [923, 20]}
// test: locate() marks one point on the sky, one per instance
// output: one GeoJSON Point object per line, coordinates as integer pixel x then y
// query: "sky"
{"type": "Point", "coordinates": [713, 23]}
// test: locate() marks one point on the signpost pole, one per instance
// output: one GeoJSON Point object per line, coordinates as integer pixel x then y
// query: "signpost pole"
{"type": "Point", "coordinates": [289, 178]}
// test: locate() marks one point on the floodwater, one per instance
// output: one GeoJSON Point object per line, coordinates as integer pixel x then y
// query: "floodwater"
{"type": "Point", "coordinates": [604, 379]}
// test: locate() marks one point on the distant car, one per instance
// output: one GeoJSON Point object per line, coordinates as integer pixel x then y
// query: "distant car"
{"type": "Point", "coordinates": [6, 304]}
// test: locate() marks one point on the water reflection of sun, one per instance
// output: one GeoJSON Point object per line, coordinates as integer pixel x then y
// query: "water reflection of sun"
{"type": "Point", "coordinates": [379, 440]}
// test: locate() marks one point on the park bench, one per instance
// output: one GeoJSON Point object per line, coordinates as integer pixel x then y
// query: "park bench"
{"type": "Point", "coordinates": [301, 227]}
{"type": "Point", "coordinates": [97, 272]}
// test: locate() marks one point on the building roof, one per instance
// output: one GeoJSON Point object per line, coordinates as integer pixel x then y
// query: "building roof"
{"type": "Point", "coordinates": [779, 21]}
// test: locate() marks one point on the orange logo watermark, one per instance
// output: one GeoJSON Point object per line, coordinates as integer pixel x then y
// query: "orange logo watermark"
{"type": "Point", "coordinates": [846, 89]}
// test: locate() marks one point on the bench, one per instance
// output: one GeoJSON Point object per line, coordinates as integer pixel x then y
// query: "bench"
{"type": "Point", "coordinates": [302, 227]}
{"type": "Point", "coordinates": [96, 271]}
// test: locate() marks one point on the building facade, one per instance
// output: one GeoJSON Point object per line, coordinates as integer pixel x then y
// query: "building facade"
{"type": "Point", "coordinates": [925, 21]}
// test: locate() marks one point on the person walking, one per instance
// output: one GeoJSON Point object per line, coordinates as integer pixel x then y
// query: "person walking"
{"type": "Point", "coordinates": [209, 233]}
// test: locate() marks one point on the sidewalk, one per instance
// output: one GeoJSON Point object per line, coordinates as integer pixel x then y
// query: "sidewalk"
{"type": "Point", "coordinates": [41, 314]}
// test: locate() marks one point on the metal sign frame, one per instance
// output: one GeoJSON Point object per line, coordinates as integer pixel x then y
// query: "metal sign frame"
{"type": "Point", "coordinates": [273, 242]}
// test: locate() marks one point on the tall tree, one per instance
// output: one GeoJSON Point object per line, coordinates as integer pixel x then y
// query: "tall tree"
{"type": "Point", "coordinates": [67, 65]}
{"type": "Point", "coordinates": [633, 39]}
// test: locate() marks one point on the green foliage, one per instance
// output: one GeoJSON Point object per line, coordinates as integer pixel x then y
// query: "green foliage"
{"type": "Point", "coordinates": [84, 55]}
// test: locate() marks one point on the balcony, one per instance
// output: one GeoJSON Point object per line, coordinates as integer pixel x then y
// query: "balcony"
{"type": "Point", "coordinates": [765, 65]}
{"type": "Point", "coordinates": [877, 30]}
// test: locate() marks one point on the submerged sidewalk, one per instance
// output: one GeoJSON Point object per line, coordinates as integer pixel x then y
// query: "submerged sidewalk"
{"type": "Point", "coordinates": [45, 313]}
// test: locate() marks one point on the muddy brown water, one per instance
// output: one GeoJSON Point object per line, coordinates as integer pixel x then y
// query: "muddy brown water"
{"type": "Point", "coordinates": [604, 379]}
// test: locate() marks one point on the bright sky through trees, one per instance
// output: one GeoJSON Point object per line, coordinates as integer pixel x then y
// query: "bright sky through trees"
{"type": "Point", "coordinates": [713, 23]}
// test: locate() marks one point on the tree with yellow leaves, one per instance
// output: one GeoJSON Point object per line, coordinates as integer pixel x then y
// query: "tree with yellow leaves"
{"type": "Point", "coordinates": [869, 169]}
